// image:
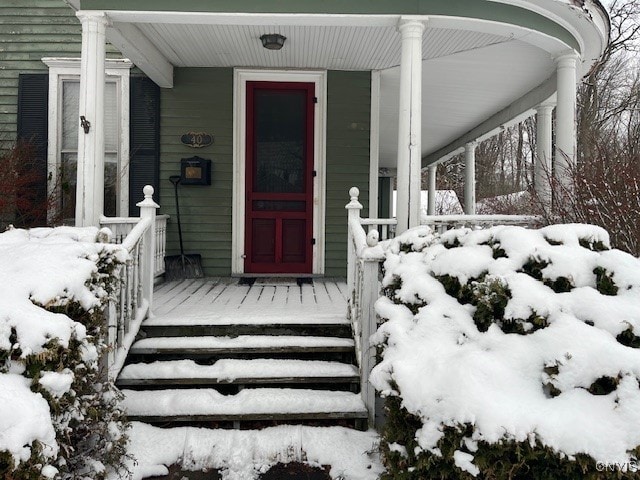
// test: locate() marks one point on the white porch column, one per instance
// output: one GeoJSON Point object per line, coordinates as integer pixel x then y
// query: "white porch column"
{"type": "Point", "coordinates": [544, 150]}
{"type": "Point", "coordinates": [409, 124]}
{"type": "Point", "coordinates": [90, 186]}
{"type": "Point", "coordinates": [566, 147]}
{"type": "Point", "coordinates": [470, 178]}
{"type": "Point", "coordinates": [431, 201]}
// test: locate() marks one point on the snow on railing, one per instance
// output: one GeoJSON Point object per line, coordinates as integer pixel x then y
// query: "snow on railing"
{"type": "Point", "coordinates": [364, 259]}
{"type": "Point", "coordinates": [122, 226]}
{"type": "Point", "coordinates": [134, 295]}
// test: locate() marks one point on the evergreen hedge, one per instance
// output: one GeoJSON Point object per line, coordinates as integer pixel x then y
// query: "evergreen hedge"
{"type": "Point", "coordinates": [486, 296]}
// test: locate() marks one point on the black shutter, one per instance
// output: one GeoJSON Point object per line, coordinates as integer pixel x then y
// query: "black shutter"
{"type": "Point", "coordinates": [33, 98]}
{"type": "Point", "coordinates": [144, 166]}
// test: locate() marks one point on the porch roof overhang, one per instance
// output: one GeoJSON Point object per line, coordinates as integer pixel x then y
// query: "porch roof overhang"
{"type": "Point", "coordinates": [486, 63]}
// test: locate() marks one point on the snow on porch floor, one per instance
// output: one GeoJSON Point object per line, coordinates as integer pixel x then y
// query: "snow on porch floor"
{"type": "Point", "coordinates": [223, 301]}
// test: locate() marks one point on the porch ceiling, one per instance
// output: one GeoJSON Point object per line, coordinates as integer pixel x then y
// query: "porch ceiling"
{"type": "Point", "coordinates": [473, 68]}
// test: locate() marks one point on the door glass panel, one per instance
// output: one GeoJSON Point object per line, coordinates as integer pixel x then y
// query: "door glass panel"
{"type": "Point", "coordinates": [278, 206]}
{"type": "Point", "coordinates": [279, 126]}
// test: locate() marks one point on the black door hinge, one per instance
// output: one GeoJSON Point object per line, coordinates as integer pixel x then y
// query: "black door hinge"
{"type": "Point", "coordinates": [314, 173]}
{"type": "Point", "coordinates": [313, 241]}
{"type": "Point", "coordinates": [315, 99]}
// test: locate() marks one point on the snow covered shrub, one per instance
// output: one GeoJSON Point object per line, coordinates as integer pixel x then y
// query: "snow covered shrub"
{"type": "Point", "coordinates": [59, 417]}
{"type": "Point", "coordinates": [510, 353]}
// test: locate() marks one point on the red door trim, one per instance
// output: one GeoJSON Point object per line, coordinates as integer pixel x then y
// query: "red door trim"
{"type": "Point", "coordinates": [278, 266]}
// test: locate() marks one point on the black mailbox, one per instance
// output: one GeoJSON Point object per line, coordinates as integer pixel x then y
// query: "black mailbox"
{"type": "Point", "coordinates": [195, 171]}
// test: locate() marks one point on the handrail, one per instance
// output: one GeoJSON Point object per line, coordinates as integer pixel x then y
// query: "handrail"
{"type": "Point", "coordinates": [441, 223]}
{"type": "Point", "coordinates": [133, 299]}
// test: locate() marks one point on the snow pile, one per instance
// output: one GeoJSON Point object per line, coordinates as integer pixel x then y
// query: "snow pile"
{"type": "Point", "coordinates": [24, 418]}
{"type": "Point", "coordinates": [244, 454]}
{"type": "Point", "coordinates": [513, 335]}
{"type": "Point", "coordinates": [42, 270]}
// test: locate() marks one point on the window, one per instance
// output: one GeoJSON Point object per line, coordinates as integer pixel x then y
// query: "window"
{"type": "Point", "coordinates": [64, 88]}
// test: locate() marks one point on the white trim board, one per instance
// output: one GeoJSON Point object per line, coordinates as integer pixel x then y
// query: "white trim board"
{"type": "Point", "coordinates": [240, 78]}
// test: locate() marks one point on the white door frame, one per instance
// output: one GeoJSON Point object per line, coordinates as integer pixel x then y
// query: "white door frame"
{"type": "Point", "coordinates": [240, 78]}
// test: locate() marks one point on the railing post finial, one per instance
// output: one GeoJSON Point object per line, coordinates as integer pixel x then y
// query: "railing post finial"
{"type": "Point", "coordinates": [354, 204]}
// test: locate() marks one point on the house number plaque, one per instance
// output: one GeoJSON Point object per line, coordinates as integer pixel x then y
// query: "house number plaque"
{"type": "Point", "coordinates": [197, 139]}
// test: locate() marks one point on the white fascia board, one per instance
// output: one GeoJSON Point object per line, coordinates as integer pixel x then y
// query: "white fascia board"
{"type": "Point", "coordinates": [217, 18]}
{"type": "Point", "coordinates": [143, 53]}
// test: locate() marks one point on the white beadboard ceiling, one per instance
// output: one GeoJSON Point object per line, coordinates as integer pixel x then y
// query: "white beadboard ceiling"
{"type": "Point", "coordinates": [331, 47]}
{"type": "Point", "coordinates": [470, 71]}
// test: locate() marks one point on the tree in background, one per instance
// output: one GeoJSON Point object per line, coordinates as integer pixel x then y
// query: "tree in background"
{"type": "Point", "coordinates": [606, 176]}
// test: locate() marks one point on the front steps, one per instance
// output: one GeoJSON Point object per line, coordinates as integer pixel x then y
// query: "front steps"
{"type": "Point", "coordinates": [244, 373]}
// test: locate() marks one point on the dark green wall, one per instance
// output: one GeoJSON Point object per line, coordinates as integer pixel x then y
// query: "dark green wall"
{"type": "Point", "coordinates": [202, 100]}
{"type": "Point", "coordinates": [348, 119]}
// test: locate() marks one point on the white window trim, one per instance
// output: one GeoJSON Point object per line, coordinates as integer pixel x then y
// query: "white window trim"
{"type": "Point", "coordinates": [240, 79]}
{"type": "Point", "coordinates": [118, 71]}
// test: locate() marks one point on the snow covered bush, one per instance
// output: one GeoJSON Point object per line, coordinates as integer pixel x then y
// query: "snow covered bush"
{"type": "Point", "coordinates": [510, 353]}
{"type": "Point", "coordinates": [59, 418]}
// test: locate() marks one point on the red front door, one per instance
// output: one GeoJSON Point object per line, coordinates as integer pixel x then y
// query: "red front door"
{"type": "Point", "coordinates": [279, 178]}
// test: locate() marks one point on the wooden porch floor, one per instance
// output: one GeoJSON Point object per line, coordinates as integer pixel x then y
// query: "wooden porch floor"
{"type": "Point", "coordinates": [226, 301]}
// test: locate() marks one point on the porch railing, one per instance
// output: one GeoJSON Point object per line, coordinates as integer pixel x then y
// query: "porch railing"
{"type": "Point", "coordinates": [442, 223]}
{"type": "Point", "coordinates": [364, 259]}
{"type": "Point", "coordinates": [122, 226]}
{"type": "Point", "coordinates": [363, 267]}
{"type": "Point", "coordinates": [134, 296]}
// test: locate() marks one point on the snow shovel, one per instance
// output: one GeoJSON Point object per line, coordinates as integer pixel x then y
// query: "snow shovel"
{"type": "Point", "coordinates": [179, 267]}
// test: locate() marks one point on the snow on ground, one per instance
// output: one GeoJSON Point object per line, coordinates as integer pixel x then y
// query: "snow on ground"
{"type": "Point", "coordinates": [244, 454]}
{"type": "Point", "coordinates": [448, 372]}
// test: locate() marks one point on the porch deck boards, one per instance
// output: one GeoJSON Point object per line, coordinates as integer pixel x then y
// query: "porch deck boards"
{"type": "Point", "coordinates": [224, 301]}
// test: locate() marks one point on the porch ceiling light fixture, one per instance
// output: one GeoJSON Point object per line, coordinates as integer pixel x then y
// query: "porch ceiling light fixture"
{"type": "Point", "coordinates": [273, 41]}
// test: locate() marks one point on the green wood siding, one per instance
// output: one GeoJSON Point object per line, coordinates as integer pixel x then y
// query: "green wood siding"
{"type": "Point", "coordinates": [30, 30]}
{"type": "Point", "coordinates": [201, 101]}
{"type": "Point", "coordinates": [348, 121]}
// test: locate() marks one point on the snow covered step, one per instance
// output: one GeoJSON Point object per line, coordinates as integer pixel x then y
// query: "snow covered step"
{"type": "Point", "coordinates": [238, 372]}
{"type": "Point", "coordinates": [281, 404]}
{"type": "Point", "coordinates": [209, 345]}
{"type": "Point", "coordinates": [283, 315]}
{"type": "Point", "coordinates": [180, 329]}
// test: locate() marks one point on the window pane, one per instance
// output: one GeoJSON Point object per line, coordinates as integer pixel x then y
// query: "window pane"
{"type": "Point", "coordinates": [70, 124]}
{"type": "Point", "coordinates": [68, 180]}
{"type": "Point", "coordinates": [110, 184]}
{"type": "Point", "coordinates": [110, 118]}
{"type": "Point", "coordinates": [70, 116]}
